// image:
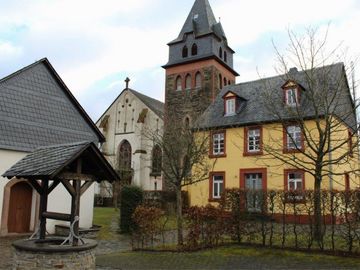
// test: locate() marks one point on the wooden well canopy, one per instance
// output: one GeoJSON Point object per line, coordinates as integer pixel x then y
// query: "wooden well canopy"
{"type": "Point", "coordinates": [76, 166]}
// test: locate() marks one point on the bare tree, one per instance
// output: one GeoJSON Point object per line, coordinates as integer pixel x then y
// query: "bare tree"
{"type": "Point", "coordinates": [184, 161]}
{"type": "Point", "coordinates": [323, 110]}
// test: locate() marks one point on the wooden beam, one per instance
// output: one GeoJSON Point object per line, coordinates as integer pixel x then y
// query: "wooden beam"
{"type": "Point", "coordinates": [43, 207]}
{"type": "Point", "coordinates": [68, 187]}
{"type": "Point", "coordinates": [76, 177]}
{"type": "Point", "coordinates": [85, 187]}
{"type": "Point", "coordinates": [56, 216]}
{"type": "Point", "coordinates": [53, 186]}
{"type": "Point", "coordinates": [75, 209]}
{"type": "Point", "coordinates": [35, 184]}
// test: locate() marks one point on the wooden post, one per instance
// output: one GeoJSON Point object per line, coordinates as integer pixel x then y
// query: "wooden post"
{"type": "Point", "coordinates": [75, 202]}
{"type": "Point", "coordinates": [43, 207]}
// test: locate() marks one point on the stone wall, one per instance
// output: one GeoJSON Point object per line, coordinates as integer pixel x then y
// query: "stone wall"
{"type": "Point", "coordinates": [30, 260]}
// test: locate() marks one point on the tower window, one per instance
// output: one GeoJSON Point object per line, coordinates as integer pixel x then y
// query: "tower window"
{"type": "Point", "coordinates": [194, 49]}
{"type": "Point", "coordinates": [225, 56]}
{"type": "Point", "coordinates": [225, 81]}
{"type": "Point", "coordinates": [198, 80]}
{"type": "Point", "coordinates": [188, 82]}
{"type": "Point", "coordinates": [178, 83]}
{"type": "Point", "coordinates": [220, 81]}
{"type": "Point", "coordinates": [185, 52]}
{"type": "Point", "coordinates": [220, 52]}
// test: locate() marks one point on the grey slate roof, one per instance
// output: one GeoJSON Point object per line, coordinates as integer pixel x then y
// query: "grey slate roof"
{"type": "Point", "coordinates": [37, 109]}
{"type": "Point", "coordinates": [203, 24]}
{"type": "Point", "coordinates": [155, 105]}
{"type": "Point", "coordinates": [256, 109]}
{"type": "Point", "coordinates": [49, 161]}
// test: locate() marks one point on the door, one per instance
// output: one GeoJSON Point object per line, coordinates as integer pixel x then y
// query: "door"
{"type": "Point", "coordinates": [254, 187]}
{"type": "Point", "coordinates": [20, 208]}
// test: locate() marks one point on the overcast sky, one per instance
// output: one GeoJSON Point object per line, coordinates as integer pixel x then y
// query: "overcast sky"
{"type": "Point", "coordinates": [94, 45]}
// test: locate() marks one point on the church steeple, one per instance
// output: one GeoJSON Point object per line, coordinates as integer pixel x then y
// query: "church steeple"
{"type": "Point", "coordinates": [200, 64]}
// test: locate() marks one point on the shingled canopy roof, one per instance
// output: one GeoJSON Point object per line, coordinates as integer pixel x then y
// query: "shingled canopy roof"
{"type": "Point", "coordinates": [50, 161]}
{"type": "Point", "coordinates": [253, 109]}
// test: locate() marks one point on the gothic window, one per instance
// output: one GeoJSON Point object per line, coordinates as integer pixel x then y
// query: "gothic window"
{"type": "Point", "coordinates": [225, 56]}
{"type": "Point", "coordinates": [187, 122]}
{"type": "Point", "coordinates": [220, 81]}
{"type": "Point", "coordinates": [185, 52]}
{"type": "Point", "coordinates": [125, 155]}
{"type": "Point", "coordinates": [188, 82]}
{"type": "Point", "coordinates": [156, 160]}
{"type": "Point", "coordinates": [198, 80]}
{"type": "Point", "coordinates": [220, 52]}
{"type": "Point", "coordinates": [194, 49]}
{"type": "Point", "coordinates": [225, 81]}
{"type": "Point", "coordinates": [178, 83]}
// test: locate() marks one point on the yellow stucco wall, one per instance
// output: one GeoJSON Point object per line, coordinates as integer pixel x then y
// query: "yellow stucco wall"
{"type": "Point", "coordinates": [272, 136]}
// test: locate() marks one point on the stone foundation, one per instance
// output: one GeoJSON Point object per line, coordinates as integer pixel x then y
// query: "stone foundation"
{"type": "Point", "coordinates": [32, 254]}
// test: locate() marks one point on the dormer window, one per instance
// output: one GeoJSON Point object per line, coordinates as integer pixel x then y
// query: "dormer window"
{"type": "Point", "coordinates": [185, 52]}
{"type": "Point", "coordinates": [230, 106]}
{"type": "Point", "coordinates": [194, 49]}
{"type": "Point", "coordinates": [291, 96]}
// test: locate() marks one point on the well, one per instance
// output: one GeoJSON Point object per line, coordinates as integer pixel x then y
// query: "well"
{"type": "Point", "coordinates": [76, 166]}
{"type": "Point", "coordinates": [49, 254]}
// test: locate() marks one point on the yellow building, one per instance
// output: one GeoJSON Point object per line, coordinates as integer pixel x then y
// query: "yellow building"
{"type": "Point", "coordinates": [266, 135]}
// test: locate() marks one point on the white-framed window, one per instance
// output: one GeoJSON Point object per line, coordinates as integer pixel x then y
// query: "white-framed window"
{"type": "Point", "coordinates": [188, 82]}
{"type": "Point", "coordinates": [218, 143]}
{"type": "Point", "coordinates": [198, 80]}
{"type": "Point", "coordinates": [217, 186]}
{"type": "Point", "coordinates": [178, 83]}
{"type": "Point", "coordinates": [253, 140]}
{"type": "Point", "coordinates": [230, 106]}
{"type": "Point", "coordinates": [293, 137]}
{"type": "Point", "coordinates": [295, 183]}
{"type": "Point", "coordinates": [291, 97]}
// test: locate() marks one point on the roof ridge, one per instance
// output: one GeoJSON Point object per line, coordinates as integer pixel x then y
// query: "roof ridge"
{"type": "Point", "coordinates": [64, 144]}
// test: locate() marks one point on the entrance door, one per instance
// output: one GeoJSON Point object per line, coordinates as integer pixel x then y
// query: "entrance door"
{"type": "Point", "coordinates": [254, 187]}
{"type": "Point", "coordinates": [20, 208]}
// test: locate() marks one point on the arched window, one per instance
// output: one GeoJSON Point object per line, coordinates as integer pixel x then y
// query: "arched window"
{"type": "Point", "coordinates": [188, 82]}
{"type": "Point", "coordinates": [225, 81]}
{"type": "Point", "coordinates": [225, 56]}
{"type": "Point", "coordinates": [194, 49]}
{"type": "Point", "coordinates": [185, 52]}
{"type": "Point", "coordinates": [220, 81]}
{"type": "Point", "coordinates": [187, 122]}
{"type": "Point", "coordinates": [125, 155]}
{"type": "Point", "coordinates": [220, 52]}
{"type": "Point", "coordinates": [229, 82]}
{"type": "Point", "coordinates": [178, 83]}
{"type": "Point", "coordinates": [156, 160]}
{"type": "Point", "coordinates": [198, 80]}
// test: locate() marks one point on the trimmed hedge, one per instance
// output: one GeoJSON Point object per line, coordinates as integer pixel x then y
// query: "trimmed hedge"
{"type": "Point", "coordinates": [131, 197]}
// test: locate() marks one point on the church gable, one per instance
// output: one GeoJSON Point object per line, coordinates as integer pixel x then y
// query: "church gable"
{"type": "Point", "coordinates": [38, 110]}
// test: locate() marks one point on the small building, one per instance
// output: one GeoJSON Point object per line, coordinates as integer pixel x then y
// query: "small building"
{"type": "Point", "coordinates": [36, 110]}
{"type": "Point", "coordinates": [128, 126]}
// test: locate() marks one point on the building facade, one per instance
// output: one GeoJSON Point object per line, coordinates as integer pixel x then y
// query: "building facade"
{"type": "Point", "coordinates": [37, 109]}
{"type": "Point", "coordinates": [128, 126]}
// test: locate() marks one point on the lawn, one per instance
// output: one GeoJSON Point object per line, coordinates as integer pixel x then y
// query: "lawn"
{"type": "Point", "coordinates": [108, 219]}
{"type": "Point", "coordinates": [231, 257]}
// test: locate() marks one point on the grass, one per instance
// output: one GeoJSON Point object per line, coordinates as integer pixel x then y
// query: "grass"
{"type": "Point", "coordinates": [108, 219]}
{"type": "Point", "coordinates": [231, 257]}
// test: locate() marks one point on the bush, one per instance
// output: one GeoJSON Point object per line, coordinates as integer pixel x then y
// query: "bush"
{"type": "Point", "coordinates": [131, 197]}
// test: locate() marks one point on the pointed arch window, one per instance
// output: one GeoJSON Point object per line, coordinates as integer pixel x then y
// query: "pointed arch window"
{"type": "Point", "coordinates": [194, 49]}
{"type": "Point", "coordinates": [178, 83]}
{"type": "Point", "coordinates": [220, 82]}
{"type": "Point", "coordinates": [187, 122]}
{"type": "Point", "coordinates": [188, 82]}
{"type": "Point", "coordinates": [185, 52]}
{"type": "Point", "coordinates": [225, 81]}
{"type": "Point", "coordinates": [225, 56]}
{"type": "Point", "coordinates": [198, 80]}
{"type": "Point", "coordinates": [156, 160]}
{"type": "Point", "coordinates": [220, 52]}
{"type": "Point", "coordinates": [125, 154]}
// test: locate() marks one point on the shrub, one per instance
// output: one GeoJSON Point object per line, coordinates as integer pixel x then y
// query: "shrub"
{"type": "Point", "coordinates": [131, 197]}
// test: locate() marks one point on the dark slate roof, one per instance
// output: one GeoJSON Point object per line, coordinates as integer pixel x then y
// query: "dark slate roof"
{"type": "Point", "coordinates": [204, 24]}
{"type": "Point", "coordinates": [262, 101]}
{"type": "Point", "coordinates": [48, 162]}
{"type": "Point", "coordinates": [155, 105]}
{"type": "Point", "coordinates": [37, 109]}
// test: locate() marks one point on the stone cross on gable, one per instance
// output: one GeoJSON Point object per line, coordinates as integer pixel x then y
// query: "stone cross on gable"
{"type": "Point", "coordinates": [127, 80]}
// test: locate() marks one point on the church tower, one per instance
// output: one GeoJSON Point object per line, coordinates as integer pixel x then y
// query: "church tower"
{"type": "Point", "coordinates": [200, 64]}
